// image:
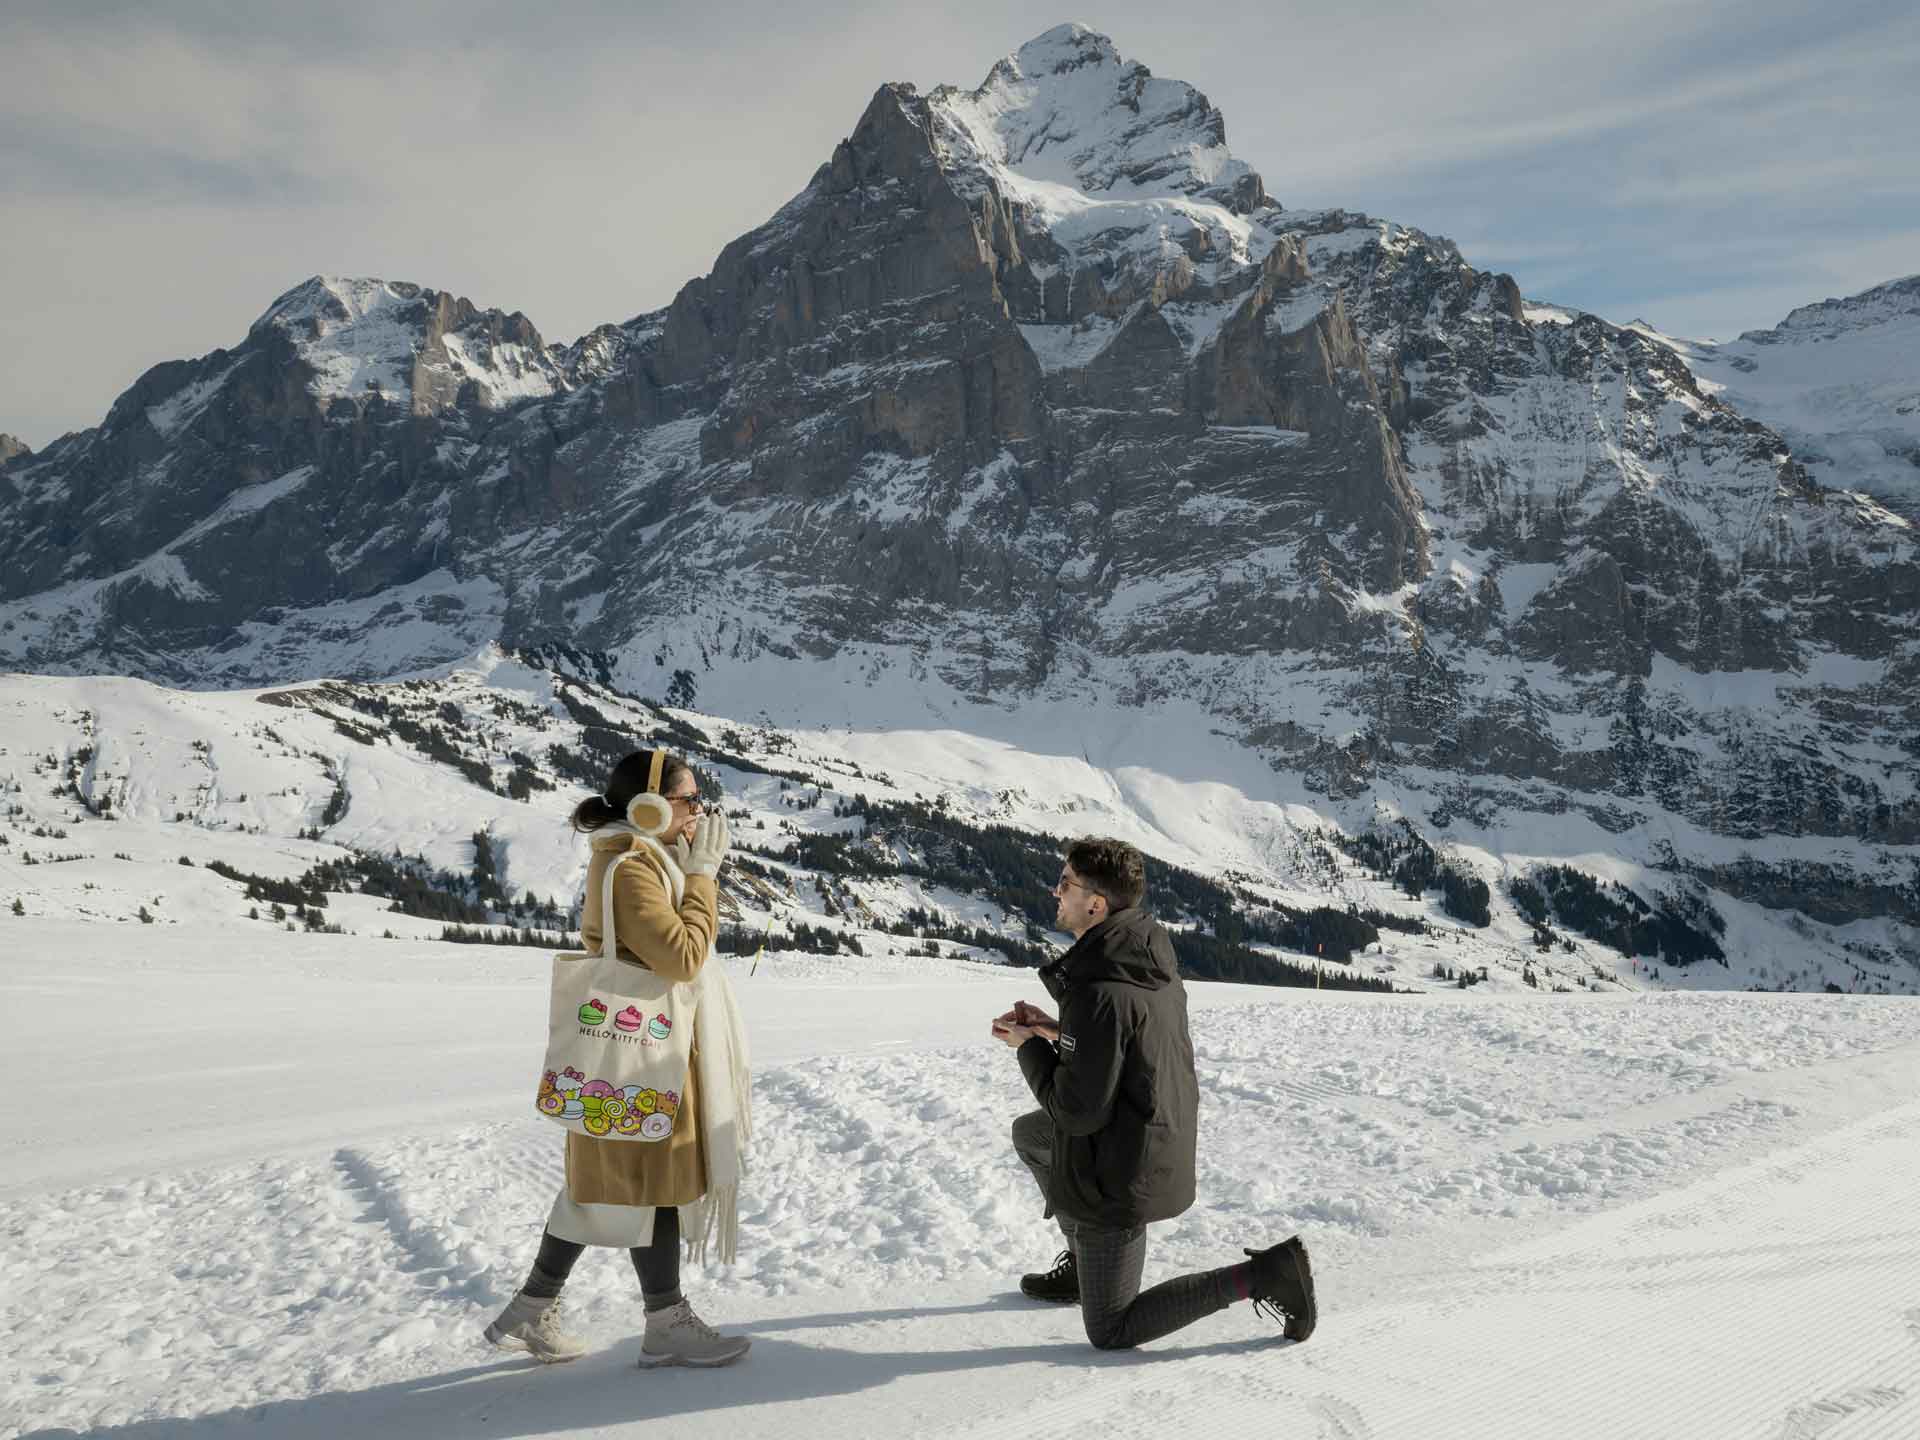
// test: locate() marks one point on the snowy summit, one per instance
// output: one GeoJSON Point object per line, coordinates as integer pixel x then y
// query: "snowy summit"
{"type": "Point", "coordinates": [1066, 112]}
{"type": "Point", "coordinates": [420, 348]}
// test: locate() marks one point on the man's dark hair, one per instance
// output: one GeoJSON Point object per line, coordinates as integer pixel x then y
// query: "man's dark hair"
{"type": "Point", "coordinates": [1113, 868]}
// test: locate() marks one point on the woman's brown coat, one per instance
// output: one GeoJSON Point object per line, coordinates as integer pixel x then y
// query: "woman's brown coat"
{"type": "Point", "coordinates": [673, 944]}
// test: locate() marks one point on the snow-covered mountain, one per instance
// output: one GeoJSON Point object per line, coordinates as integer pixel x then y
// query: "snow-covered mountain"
{"type": "Point", "coordinates": [1840, 382]}
{"type": "Point", "coordinates": [1035, 400]}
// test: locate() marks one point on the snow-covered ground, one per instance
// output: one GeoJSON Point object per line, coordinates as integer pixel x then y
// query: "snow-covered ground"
{"type": "Point", "coordinates": [276, 1190]}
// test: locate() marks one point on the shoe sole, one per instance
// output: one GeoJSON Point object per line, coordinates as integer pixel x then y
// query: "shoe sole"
{"type": "Point", "coordinates": [661, 1362]}
{"type": "Point", "coordinates": [510, 1342]}
{"type": "Point", "coordinates": [1301, 1327]}
{"type": "Point", "coordinates": [1052, 1299]}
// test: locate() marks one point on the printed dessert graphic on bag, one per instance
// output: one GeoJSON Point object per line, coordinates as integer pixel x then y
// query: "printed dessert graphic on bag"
{"type": "Point", "coordinates": [629, 1019]}
{"type": "Point", "coordinates": [602, 1108]}
{"type": "Point", "coordinates": [659, 1027]}
{"type": "Point", "coordinates": [593, 1012]}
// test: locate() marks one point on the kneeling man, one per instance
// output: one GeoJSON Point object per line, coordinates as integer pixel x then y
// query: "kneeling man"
{"type": "Point", "coordinates": [1112, 1143]}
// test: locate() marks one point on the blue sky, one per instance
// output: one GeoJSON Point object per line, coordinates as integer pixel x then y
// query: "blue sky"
{"type": "Point", "coordinates": [165, 171]}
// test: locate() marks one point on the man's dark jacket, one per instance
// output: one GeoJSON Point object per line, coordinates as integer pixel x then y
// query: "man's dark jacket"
{"type": "Point", "coordinates": [1119, 1086]}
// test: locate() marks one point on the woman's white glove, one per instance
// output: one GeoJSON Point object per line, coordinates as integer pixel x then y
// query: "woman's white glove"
{"type": "Point", "coordinates": [709, 845]}
{"type": "Point", "coordinates": [682, 851]}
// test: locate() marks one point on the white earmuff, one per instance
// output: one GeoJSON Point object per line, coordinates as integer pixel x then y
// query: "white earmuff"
{"type": "Point", "coordinates": [650, 814]}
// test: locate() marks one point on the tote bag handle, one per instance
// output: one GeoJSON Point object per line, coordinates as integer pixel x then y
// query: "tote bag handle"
{"type": "Point", "coordinates": [609, 947]}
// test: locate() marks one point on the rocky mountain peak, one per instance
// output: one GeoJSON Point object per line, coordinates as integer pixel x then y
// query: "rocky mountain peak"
{"type": "Point", "coordinates": [1068, 110]}
{"type": "Point", "coordinates": [424, 349]}
{"type": "Point", "coordinates": [11, 447]}
{"type": "Point", "coordinates": [1832, 318]}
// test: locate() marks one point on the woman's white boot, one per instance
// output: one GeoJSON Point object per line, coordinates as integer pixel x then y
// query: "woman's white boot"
{"type": "Point", "coordinates": [535, 1327]}
{"type": "Point", "coordinates": [677, 1336]}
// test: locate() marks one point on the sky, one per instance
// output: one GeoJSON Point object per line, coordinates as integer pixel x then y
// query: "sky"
{"type": "Point", "coordinates": [167, 170]}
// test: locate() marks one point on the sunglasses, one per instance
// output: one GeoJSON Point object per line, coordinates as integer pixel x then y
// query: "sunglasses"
{"type": "Point", "coordinates": [691, 800]}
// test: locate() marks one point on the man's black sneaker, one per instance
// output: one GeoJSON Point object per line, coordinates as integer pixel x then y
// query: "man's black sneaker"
{"type": "Point", "coordinates": [1061, 1283]}
{"type": "Point", "coordinates": [1283, 1286]}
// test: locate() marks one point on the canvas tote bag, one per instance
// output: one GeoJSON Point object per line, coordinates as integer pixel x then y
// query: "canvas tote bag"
{"type": "Point", "coordinates": [619, 1039]}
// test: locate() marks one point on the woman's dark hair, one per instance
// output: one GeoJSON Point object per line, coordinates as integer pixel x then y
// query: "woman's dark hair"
{"type": "Point", "coordinates": [1111, 868]}
{"type": "Point", "coordinates": [629, 778]}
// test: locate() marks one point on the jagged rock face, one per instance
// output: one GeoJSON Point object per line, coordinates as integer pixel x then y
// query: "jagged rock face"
{"type": "Point", "coordinates": [1635, 590]}
{"type": "Point", "coordinates": [11, 448]}
{"type": "Point", "coordinates": [1035, 385]}
{"type": "Point", "coordinates": [314, 463]}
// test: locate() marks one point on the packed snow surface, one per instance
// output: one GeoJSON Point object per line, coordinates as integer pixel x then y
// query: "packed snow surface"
{"type": "Point", "coordinates": [291, 1190]}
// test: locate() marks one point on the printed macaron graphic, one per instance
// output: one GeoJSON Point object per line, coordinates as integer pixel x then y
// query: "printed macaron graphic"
{"type": "Point", "coordinates": [593, 1013]}
{"type": "Point", "coordinates": [629, 1019]}
{"type": "Point", "coordinates": [659, 1026]}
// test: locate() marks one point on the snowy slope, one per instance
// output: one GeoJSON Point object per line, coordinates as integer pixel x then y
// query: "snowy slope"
{"type": "Point", "coordinates": [107, 786]}
{"type": "Point", "coordinates": [1840, 380]}
{"type": "Point", "coordinates": [314, 1173]}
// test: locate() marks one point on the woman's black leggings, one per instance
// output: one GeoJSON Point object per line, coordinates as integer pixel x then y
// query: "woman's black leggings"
{"type": "Point", "coordinates": [657, 1263]}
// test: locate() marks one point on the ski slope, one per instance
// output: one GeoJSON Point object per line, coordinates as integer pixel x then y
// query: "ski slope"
{"type": "Point", "coordinates": [277, 1190]}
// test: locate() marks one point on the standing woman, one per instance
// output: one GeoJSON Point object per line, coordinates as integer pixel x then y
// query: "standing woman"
{"type": "Point", "coordinates": [630, 1194]}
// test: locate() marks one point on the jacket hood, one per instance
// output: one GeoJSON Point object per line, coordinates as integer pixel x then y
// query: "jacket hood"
{"type": "Point", "coordinates": [1129, 946]}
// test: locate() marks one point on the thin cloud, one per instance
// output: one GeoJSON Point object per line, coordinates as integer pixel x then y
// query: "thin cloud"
{"type": "Point", "coordinates": [1485, 134]}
